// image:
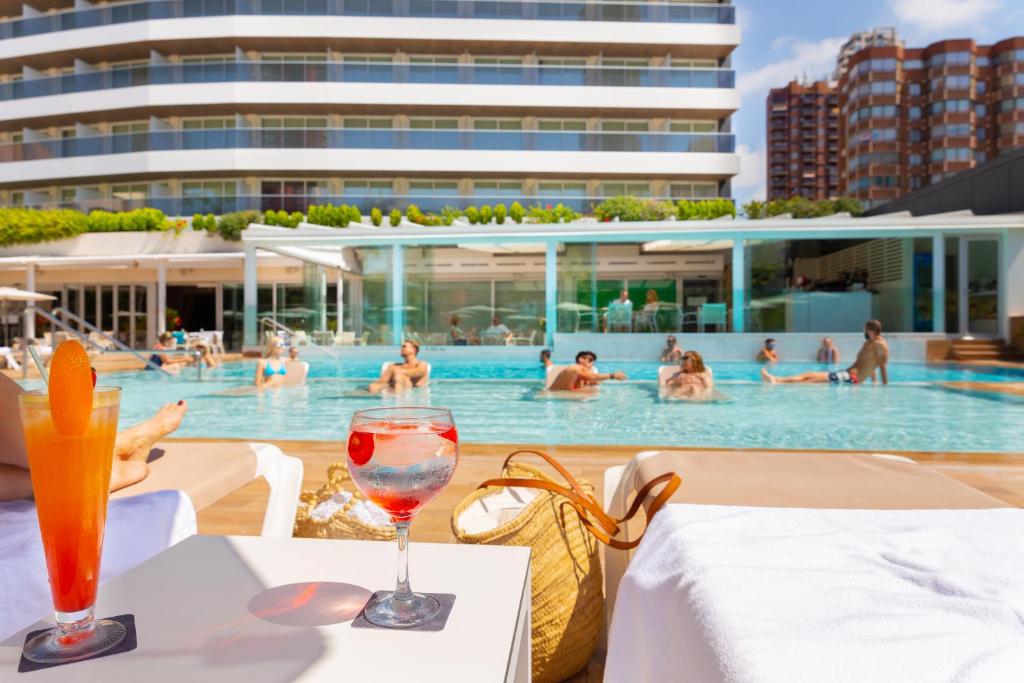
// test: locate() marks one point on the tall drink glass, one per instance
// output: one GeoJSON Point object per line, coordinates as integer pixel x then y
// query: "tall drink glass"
{"type": "Point", "coordinates": [401, 458]}
{"type": "Point", "coordinates": [71, 484]}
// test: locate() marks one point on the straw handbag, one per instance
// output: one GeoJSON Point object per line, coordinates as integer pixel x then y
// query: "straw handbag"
{"type": "Point", "coordinates": [561, 525]}
{"type": "Point", "coordinates": [342, 524]}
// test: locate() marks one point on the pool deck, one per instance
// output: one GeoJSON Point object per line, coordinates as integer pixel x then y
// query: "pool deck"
{"type": "Point", "coordinates": [1000, 475]}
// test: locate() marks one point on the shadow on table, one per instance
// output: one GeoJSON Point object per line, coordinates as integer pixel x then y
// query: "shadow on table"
{"type": "Point", "coordinates": [309, 604]}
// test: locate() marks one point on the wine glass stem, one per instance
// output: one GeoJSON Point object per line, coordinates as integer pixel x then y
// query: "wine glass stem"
{"type": "Point", "coordinates": [402, 590]}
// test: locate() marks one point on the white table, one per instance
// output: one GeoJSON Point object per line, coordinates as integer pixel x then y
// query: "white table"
{"type": "Point", "coordinates": [206, 610]}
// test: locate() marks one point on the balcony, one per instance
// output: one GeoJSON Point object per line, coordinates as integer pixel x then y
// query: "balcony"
{"type": "Point", "coordinates": [389, 73]}
{"type": "Point", "coordinates": [360, 138]}
{"type": "Point", "coordinates": [663, 12]}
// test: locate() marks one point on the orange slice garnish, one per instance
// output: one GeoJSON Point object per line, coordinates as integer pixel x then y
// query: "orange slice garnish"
{"type": "Point", "coordinates": [70, 389]}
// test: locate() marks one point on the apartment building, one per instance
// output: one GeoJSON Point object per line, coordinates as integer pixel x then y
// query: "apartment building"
{"type": "Point", "coordinates": [212, 106]}
{"type": "Point", "coordinates": [876, 37]}
{"type": "Point", "coordinates": [911, 117]}
{"type": "Point", "coordinates": [803, 141]}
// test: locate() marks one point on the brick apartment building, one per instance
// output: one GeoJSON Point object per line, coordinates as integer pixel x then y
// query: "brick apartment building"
{"type": "Point", "coordinates": [803, 141]}
{"type": "Point", "coordinates": [910, 117]}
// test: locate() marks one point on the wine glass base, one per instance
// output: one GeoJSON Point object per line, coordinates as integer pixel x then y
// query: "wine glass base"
{"type": "Point", "coordinates": [56, 647]}
{"type": "Point", "coordinates": [387, 612]}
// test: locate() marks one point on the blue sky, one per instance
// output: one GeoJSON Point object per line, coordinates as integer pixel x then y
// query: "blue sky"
{"type": "Point", "coordinates": [783, 39]}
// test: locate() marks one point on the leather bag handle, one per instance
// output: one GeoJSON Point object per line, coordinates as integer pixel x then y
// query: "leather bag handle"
{"type": "Point", "coordinates": [603, 527]}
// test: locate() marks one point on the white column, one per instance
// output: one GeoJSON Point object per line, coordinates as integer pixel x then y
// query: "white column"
{"type": "Point", "coordinates": [339, 296]}
{"type": "Point", "coordinates": [1011, 277]}
{"type": "Point", "coordinates": [249, 297]}
{"type": "Point", "coordinates": [161, 297]}
{"type": "Point", "coordinates": [323, 297]}
{"type": "Point", "coordinates": [551, 293]}
{"type": "Point", "coordinates": [30, 308]}
{"type": "Point", "coordinates": [938, 284]}
{"type": "Point", "coordinates": [397, 293]}
{"type": "Point", "coordinates": [739, 279]}
{"type": "Point", "coordinates": [218, 306]}
{"type": "Point", "coordinates": [961, 286]}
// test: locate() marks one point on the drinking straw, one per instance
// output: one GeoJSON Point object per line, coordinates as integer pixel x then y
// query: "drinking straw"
{"type": "Point", "coordinates": [39, 364]}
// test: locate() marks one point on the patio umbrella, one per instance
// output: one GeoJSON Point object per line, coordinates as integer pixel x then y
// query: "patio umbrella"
{"type": "Point", "coordinates": [15, 294]}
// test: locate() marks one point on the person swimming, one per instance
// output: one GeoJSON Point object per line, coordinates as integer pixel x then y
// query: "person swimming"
{"type": "Point", "coordinates": [692, 380]}
{"type": "Point", "coordinates": [409, 374]}
{"type": "Point", "coordinates": [582, 375]}
{"type": "Point", "coordinates": [271, 369]}
{"type": "Point", "coordinates": [873, 355]}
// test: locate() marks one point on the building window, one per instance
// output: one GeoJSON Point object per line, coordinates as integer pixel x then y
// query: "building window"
{"type": "Point", "coordinates": [208, 188]}
{"type": "Point", "coordinates": [914, 135]}
{"type": "Point", "coordinates": [914, 159]}
{"type": "Point", "coordinates": [913, 64]}
{"type": "Point", "coordinates": [943, 106]}
{"type": "Point", "coordinates": [914, 113]}
{"type": "Point", "coordinates": [951, 130]}
{"type": "Point", "coordinates": [951, 154]}
{"type": "Point", "coordinates": [433, 188]}
{"type": "Point", "coordinates": [625, 126]}
{"type": "Point", "coordinates": [434, 124]}
{"type": "Point", "coordinates": [562, 124]}
{"type": "Point", "coordinates": [494, 189]}
{"type": "Point", "coordinates": [951, 58]}
{"type": "Point", "coordinates": [498, 61]}
{"type": "Point", "coordinates": [129, 191]}
{"type": "Point", "coordinates": [561, 189]}
{"type": "Point", "coordinates": [293, 188]}
{"type": "Point", "coordinates": [360, 122]}
{"type": "Point", "coordinates": [981, 110]}
{"type": "Point", "coordinates": [957, 82]}
{"type": "Point", "coordinates": [367, 188]}
{"type": "Point", "coordinates": [914, 89]}
{"type": "Point", "coordinates": [1011, 104]}
{"type": "Point", "coordinates": [129, 128]}
{"type": "Point", "coordinates": [296, 122]}
{"type": "Point", "coordinates": [207, 124]}
{"type": "Point", "coordinates": [497, 124]}
{"type": "Point", "coordinates": [695, 190]}
{"type": "Point", "coordinates": [632, 189]}
{"type": "Point", "coordinates": [693, 126]}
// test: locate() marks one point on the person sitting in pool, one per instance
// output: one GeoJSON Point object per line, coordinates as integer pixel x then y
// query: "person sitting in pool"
{"type": "Point", "coordinates": [398, 377]}
{"type": "Point", "coordinates": [582, 375]}
{"type": "Point", "coordinates": [693, 379]}
{"type": "Point", "coordinates": [205, 357]}
{"type": "Point", "coordinates": [172, 364]}
{"type": "Point", "coordinates": [131, 448]}
{"type": "Point", "coordinates": [545, 358]}
{"type": "Point", "coordinates": [271, 370]}
{"type": "Point", "coordinates": [873, 355]}
{"type": "Point", "coordinates": [296, 368]}
{"type": "Point", "coordinates": [828, 353]}
{"type": "Point", "coordinates": [768, 354]}
{"type": "Point", "coordinates": [672, 353]}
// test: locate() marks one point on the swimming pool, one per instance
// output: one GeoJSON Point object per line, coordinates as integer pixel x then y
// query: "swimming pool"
{"type": "Point", "coordinates": [496, 403]}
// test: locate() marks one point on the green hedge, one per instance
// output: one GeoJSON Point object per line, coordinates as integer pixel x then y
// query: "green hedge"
{"type": "Point", "coordinates": [28, 226]}
{"type": "Point", "coordinates": [801, 207]}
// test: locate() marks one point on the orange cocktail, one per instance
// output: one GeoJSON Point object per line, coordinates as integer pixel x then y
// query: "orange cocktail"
{"type": "Point", "coordinates": [70, 469]}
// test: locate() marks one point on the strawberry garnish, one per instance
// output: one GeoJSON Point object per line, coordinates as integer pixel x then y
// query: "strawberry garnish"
{"type": "Point", "coordinates": [360, 447]}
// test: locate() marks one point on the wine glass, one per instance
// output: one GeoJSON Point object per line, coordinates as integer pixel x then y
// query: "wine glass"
{"type": "Point", "coordinates": [401, 458]}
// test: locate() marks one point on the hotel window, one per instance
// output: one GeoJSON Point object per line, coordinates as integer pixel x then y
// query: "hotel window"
{"type": "Point", "coordinates": [914, 159]}
{"type": "Point", "coordinates": [206, 59]}
{"type": "Point", "coordinates": [68, 195]}
{"type": "Point", "coordinates": [981, 110]}
{"type": "Point", "coordinates": [17, 198]}
{"type": "Point", "coordinates": [914, 113]}
{"type": "Point", "coordinates": [561, 189]}
{"type": "Point", "coordinates": [693, 190]}
{"type": "Point", "coordinates": [285, 58]}
{"type": "Point", "coordinates": [980, 86]}
{"type": "Point", "coordinates": [562, 124]}
{"type": "Point", "coordinates": [952, 58]}
{"type": "Point", "coordinates": [980, 156]}
{"type": "Point", "coordinates": [562, 61]}
{"type": "Point", "coordinates": [367, 123]}
{"type": "Point", "coordinates": [497, 124]}
{"type": "Point", "coordinates": [1010, 80]}
{"type": "Point", "coordinates": [914, 89]}
{"type": "Point", "coordinates": [951, 130]}
{"type": "Point", "coordinates": [298, 122]}
{"type": "Point", "coordinates": [1011, 104]}
{"type": "Point", "coordinates": [957, 82]}
{"type": "Point", "coordinates": [626, 63]}
{"type": "Point", "coordinates": [693, 126]}
{"type": "Point", "coordinates": [366, 59]}
{"type": "Point", "coordinates": [128, 128]}
{"type": "Point", "coordinates": [942, 106]}
{"type": "Point", "coordinates": [694, 63]}
{"type": "Point", "coordinates": [625, 126]}
{"type": "Point", "coordinates": [511, 189]}
{"type": "Point", "coordinates": [632, 189]}
{"type": "Point", "coordinates": [207, 124]}
{"type": "Point", "coordinates": [427, 59]}
{"type": "Point", "coordinates": [433, 188]}
{"type": "Point", "coordinates": [17, 138]}
{"type": "Point", "coordinates": [368, 188]}
{"type": "Point", "coordinates": [913, 64]}
{"type": "Point", "coordinates": [498, 61]}
{"type": "Point", "coordinates": [68, 133]}
{"type": "Point", "coordinates": [208, 188]}
{"type": "Point", "coordinates": [129, 191]}
{"type": "Point", "coordinates": [127, 64]}
{"type": "Point", "coordinates": [293, 188]}
{"type": "Point", "coordinates": [982, 61]}
{"type": "Point", "coordinates": [914, 135]}
{"type": "Point", "coordinates": [434, 124]}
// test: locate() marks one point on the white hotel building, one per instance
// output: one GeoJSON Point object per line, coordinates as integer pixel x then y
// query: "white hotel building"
{"type": "Point", "coordinates": [216, 105]}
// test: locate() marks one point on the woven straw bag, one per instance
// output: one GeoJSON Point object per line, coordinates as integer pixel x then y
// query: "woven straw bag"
{"type": "Point", "coordinates": [562, 526]}
{"type": "Point", "coordinates": [341, 524]}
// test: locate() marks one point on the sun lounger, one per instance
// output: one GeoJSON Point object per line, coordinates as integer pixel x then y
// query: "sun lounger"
{"type": "Point", "coordinates": [813, 566]}
{"type": "Point", "coordinates": [137, 528]}
{"type": "Point", "coordinates": [7, 354]}
{"type": "Point", "coordinates": [207, 472]}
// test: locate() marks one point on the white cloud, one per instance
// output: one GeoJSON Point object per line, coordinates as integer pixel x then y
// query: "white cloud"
{"type": "Point", "coordinates": [815, 59]}
{"type": "Point", "coordinates": [924, 17]}
{"type": "Point", "coordinates": [750, 183]}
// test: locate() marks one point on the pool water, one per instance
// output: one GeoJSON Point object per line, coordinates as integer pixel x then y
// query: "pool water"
{"type": "Point", "coordinates": [497, 403]}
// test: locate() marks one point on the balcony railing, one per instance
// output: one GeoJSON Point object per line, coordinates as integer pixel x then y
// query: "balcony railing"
{"type": "Point", "coordinates": [342, 72]}
{"type": "Point", "coordinates": [190, 205]}
{"type": "Point", "coordinates": [361, 138]}
{"type": "Point", "coordinates": [543, 10]}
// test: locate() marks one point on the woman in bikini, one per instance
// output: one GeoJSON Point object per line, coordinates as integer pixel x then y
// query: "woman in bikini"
{"type": "Point", "coordinates": [270, 370]}
{"type": "Point", "coordinates": [692, 380]}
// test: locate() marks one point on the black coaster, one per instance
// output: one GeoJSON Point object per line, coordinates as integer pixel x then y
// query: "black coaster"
{"type": "Point", "coordinates": [438, 623]}
{"type": "Point", "coordinates": [127, 645]}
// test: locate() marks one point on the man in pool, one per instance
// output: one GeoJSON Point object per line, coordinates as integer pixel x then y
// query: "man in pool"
{"type": "Point", "coordinates": [873, 355]}
{"type": "Point", "coordinates": [545, 358]}
{"type": "Point", "coordinates": [130, 449]}
{"type": "Point", "coordinates": [399, 377]}
{"type": "Point", "coordinates": [582, 374]}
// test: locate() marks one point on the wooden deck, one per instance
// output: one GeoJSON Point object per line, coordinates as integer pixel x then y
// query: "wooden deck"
{"type": "Point", "coordinates": [1000, 475]}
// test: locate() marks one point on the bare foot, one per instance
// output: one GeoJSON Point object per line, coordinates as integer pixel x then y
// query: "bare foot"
{"type": "Point", "coordinates": [135, 442]}
{"type": "Point", "coordinates": [127, 472]}
{"type": "Point", "coordinates": [766, 377]}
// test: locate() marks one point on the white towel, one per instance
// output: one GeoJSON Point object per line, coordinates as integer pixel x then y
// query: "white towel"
{"type": "Point", "coordinates": [138, 528]}
{"type": "Point", "coordinates": [719, 593]}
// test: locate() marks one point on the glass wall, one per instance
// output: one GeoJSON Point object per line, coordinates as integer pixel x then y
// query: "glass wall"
{"type": "Point", "coordinates": [479, 295]}
{"type": "Point", "coordinates": [664, 286]}
{"type": "Point", "coordinates": [836, 285]}
{"type": "Point", "coordinates": [372, 319]}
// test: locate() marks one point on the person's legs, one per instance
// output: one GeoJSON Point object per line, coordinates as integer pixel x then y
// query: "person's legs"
{"type": "Point", "coordinates": [805, 377]}
{"type": "Point", "coordinates": [566, 379]}
{"type": "Point", "coordinates": [385, 380]}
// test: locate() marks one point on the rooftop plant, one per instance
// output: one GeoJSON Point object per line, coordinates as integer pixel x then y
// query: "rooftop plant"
{"type": "Point", "coordinates": [801, 207]}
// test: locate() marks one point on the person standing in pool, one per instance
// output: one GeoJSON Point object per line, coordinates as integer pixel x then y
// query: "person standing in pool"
{"type": "Point", "coordinates": [873, 355]}
{"type": "Point", "coordinates": [581, 375]}
{"type": "Point", "coordinates": [828, 354]}
{"type": "Point", "coordinates": [410, 373]}
{"type": "Point", "coordinates": [270, 369]}
{"type": "Point", "coordinates": [545, 358]}
{"type": "Point", "coordinates": [672, 353]}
